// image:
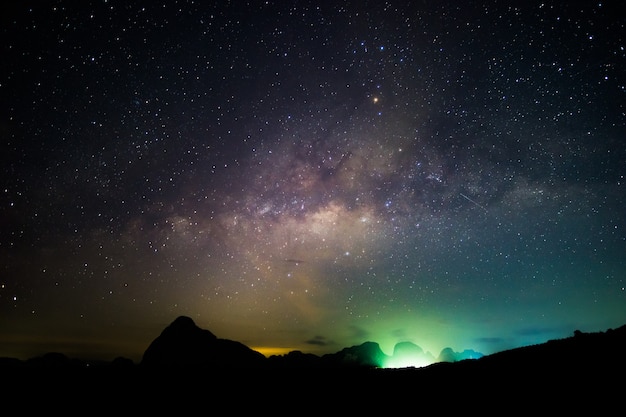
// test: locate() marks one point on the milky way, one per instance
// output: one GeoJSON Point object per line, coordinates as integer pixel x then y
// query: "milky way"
{"type": "Point", "coordinates": [311, 176]}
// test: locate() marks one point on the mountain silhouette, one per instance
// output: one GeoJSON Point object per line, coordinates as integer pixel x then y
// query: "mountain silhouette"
{"type": "Point", "coordinates": [448, 355]}
{"type": "Point", "coordinates": [409, 354]}
{"type": "Point", "coordinates": [367, 354]}
{"type": "Point", "coordinates": [184, 344]}
{"type": "Point", "coordinates": [189, 367]}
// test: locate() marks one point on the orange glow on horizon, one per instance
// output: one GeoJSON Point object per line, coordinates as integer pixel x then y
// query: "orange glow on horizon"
{"type": "Point", "coordinates": [268, 351]}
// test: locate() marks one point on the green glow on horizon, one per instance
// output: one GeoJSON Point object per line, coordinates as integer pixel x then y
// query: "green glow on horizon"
{"type": "Point", "coordinates": [406, 362]}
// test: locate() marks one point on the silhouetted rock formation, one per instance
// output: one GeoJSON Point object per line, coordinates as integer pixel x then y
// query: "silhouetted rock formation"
{"type": "Point", "coordinates": [54, 361]}
{"type": "Point", "coordinates": [409, 354]}
{"type": "Point", "coordinates": [183, 344]}
{"type": "Point", "coordinates": [408, 349]}
{"type": "Point", "coordinates": [448, 355]}
{"type": "Point", "coordinates": [367, 355]}
{"type": "Point", "coordinates": [559, 376]}
{"type": "Point", "coordinates": [295, 359]}
{"type": "Point", "coordinates": [582, 362]}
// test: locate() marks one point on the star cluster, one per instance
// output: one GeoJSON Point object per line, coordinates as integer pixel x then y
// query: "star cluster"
{"type": "Point", "coordinates": [311, 175]}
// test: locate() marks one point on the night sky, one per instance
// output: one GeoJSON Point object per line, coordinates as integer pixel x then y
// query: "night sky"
{"type": "Point", "coordinates": [299, 175]}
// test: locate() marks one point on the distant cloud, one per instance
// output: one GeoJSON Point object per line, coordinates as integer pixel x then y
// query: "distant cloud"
{"type": "Point", "coordinates": [399, 333]}
{"type": "Point", "coordinates": [360, 333]}
{"type": "Point", "coordinates": [522, 337]}
{"type": "Point", "coordinates": [490, 340]}
{"type": "Point", "coordinates": [539, 331]}
{"type": "Point", "coordinates": [318, 341]}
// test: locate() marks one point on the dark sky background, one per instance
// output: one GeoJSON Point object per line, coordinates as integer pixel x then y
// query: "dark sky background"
{"type": "Point", "coordinates": [300, 175]}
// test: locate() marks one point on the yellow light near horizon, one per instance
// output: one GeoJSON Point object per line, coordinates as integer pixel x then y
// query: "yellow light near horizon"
{"type": "Point", "coordinates": [268, 351]}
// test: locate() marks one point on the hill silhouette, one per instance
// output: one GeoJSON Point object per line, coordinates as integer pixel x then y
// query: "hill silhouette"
{"type": "Point", "coordinates": [183, 344]}
{"type": "Point", "coordinates": [185, 361]}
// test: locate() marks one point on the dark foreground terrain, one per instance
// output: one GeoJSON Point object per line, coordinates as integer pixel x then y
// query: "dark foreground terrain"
{"type": "Point", "coordinates": [582, 373]}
